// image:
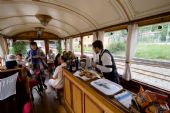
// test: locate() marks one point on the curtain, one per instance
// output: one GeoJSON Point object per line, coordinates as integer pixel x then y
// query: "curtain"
{"type": "Point", "coordinates": [99, 37]}
{"type": "Point", "coordinates": [71, 44]}
{"type": "Point", "coordinates": [94, 36]}
{"type": "Point", "coordinates": [3, 47]}
{"type": "Point", "coordinates": [130, 48]}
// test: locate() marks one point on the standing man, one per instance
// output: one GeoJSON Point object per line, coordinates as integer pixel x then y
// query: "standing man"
{"type": "Point", "coordinates": [106, 62]}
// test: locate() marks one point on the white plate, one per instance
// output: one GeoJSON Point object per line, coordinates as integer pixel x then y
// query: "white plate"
{"type": "Point", "coordinates": [77, 74]}
{"type": "Point", "coordinates": [106, 86]}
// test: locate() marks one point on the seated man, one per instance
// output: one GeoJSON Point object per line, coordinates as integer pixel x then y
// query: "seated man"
{"type": "Point", "coordinates": [57, 80]}
{"type": "Point", "coordinates": [11, 62]}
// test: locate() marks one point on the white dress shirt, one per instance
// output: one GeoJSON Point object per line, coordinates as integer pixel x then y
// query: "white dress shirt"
{"type": "Point", "coordinates": [106, 60]}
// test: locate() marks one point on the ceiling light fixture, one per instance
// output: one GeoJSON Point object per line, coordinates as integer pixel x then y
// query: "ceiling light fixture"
{"type": "Point", "coordinates": [44, 19]}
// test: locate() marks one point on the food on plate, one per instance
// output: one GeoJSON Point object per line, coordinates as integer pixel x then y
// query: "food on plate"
{"type": "Point", "coordinates": [87, 74]}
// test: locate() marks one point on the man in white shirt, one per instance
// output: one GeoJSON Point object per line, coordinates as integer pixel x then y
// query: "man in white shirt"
{"type": "Point", "coordinates": [106, 62]}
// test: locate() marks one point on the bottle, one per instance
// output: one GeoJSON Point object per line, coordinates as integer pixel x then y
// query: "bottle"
{"type": "Point", "coordinates": [73, 65]}
{"type": "Point", "coordinates": [77, 63]}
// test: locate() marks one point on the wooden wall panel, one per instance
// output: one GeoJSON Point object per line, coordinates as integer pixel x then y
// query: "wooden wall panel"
{"type": "Point", "coordinates": [67, 91]}
{"type": "Point", "coordinates": [91, 107]}
{"type": "Point", "coordinates": [77, 100]}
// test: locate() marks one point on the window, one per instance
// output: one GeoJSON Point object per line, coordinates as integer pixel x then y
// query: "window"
{"type": "Point", "coordinates": [115, 42]}
{"type": "Point", "coordinates": [63, 45]}
{"type": "Point", "coordinates": [154, 42]}
{"type": "Point", "coordinates": [87, 43]}
{"type": "Point", "coordinates": [53, 46]}
{"type": "Point", "coordinates": [41, 44]}
{"type": "Point", "coordinates": [151, 64]}
{"type": "Point", "coordinates": [76, 45]}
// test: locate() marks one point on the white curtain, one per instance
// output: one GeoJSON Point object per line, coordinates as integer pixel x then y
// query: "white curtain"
{"type": "Point", "coordinates": [130, 48]}
{"type": "Point", "coordinates": [3, 47]}
{"type": "Point", "coordinates": [71, 44]}
{"type": "Point", "coordinates": [100, 35]}
{"type": "Point", "coordinates": [94, 36]}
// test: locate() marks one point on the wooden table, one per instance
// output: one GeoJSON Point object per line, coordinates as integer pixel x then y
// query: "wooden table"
{"type": "Point", "coordinates": [81, 97]}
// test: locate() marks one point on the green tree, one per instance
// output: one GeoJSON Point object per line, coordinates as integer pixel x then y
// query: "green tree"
{"type": "Point", "coordinates": [59, 48]}
{"type": "Point", "coordinates": [19, 47]}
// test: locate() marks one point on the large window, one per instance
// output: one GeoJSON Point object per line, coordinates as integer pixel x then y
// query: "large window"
{"type": "Point", "coordinates": [154, 42]}
{"type": "Point", "coordinates": [53, 46]}
{"type": "Point", "coordinates": [151, 64]}
{"type": "Point", "coordinates": [87, 44]}
{"type": "Point", "coordinates": [41, 44]}
{"type": "Point", "coordinates": [63, 45]}
{"type": "Point", "coordinates": [115, 42]}
{"type": "Point", "coordinates": [76, 45]}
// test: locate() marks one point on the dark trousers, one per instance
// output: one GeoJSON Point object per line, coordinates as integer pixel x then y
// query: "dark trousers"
{"type": "Point", "coordinates": [113, 76]}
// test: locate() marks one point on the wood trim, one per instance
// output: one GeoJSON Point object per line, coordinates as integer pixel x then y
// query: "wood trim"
{"type": "Point", "coordinates": [101, 101]}
{"type": "Point", "coordinates": [46, 46]}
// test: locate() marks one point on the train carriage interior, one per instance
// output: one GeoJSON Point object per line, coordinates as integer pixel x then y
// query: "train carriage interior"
{"type": "Point", "coordinates": [62, 56]}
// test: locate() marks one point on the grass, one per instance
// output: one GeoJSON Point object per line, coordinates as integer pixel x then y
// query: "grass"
{"type": "Point", "coordinates": [153, 51]}
{"type": "Point", "coordinates": [145, 51]}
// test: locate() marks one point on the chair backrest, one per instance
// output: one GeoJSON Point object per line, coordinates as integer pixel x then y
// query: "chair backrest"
{"type": "Point", "coordinates": [8, 86]}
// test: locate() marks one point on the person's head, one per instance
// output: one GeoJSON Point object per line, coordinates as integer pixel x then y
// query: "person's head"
{"type": "Point", "coordinates": [57, 58]}
{"type": "Point", "coordinates": [33, 45]}
{"type": "Point", "coordinates": [64, 52]}
{"type": "Point", "coordinates": [97, 46]}
{"type": "Point", "coordinates": [62, 59]}
{"type": "Point", "coordinates": [19, 56]}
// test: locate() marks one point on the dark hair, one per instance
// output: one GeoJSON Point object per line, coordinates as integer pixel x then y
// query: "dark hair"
{"type": "Point", "coordinates": [56, 59]}
{"type": "Point", "coordinates": [98, 44]}
{"type": "Point", "coordinates": [64, 58]}
{"type": "Point", "coordinates": [19, 54]}
{"type": "Point", "coordinates": [33, 43]}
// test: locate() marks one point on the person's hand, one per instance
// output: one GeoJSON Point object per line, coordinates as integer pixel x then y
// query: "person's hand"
{"type": "Point", "coordinates": [29, 58]}
{"type": "Point", "coordinates": [94, 65]}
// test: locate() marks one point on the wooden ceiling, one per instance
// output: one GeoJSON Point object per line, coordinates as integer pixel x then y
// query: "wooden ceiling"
{"type": "Point", "coordinates": [32, 35]}
{"type": "Point", "coordinates": [71, 17]}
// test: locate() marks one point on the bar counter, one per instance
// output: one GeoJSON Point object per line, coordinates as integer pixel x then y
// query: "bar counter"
{"type": "Point", "coordinates": [81, 97]}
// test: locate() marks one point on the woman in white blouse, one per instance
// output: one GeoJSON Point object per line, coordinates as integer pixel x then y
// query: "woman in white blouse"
{"type": "Point", "coordinates": [57, 80]}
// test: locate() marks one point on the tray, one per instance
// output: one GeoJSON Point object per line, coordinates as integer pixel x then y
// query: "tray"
{"type": "Point", "coordinates": [107, 87]}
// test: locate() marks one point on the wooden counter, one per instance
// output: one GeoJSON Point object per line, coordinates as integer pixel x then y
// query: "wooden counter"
{"type": "Point", "coordinates": [81, 97]}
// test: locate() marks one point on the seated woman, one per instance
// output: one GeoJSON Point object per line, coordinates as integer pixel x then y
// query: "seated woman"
{"type": "Point", "coordinates": [57, 80]}
{"type": "Point", "coordinates": [56, 61]}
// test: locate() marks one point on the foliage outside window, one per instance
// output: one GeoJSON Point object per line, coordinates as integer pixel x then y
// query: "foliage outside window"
{"type": "Point", "coordinates": [19, 47]}
{"type": "Point", "coordinates": [76, 44]}
{"type": "Point", "coordinates": [59, 48]}
{"type": "Point", "coordinates": [87, 44]}
{"type": "Point", "coordinates": [115, 42]}
{"type": "Point", "coordinates": [154, 42]}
